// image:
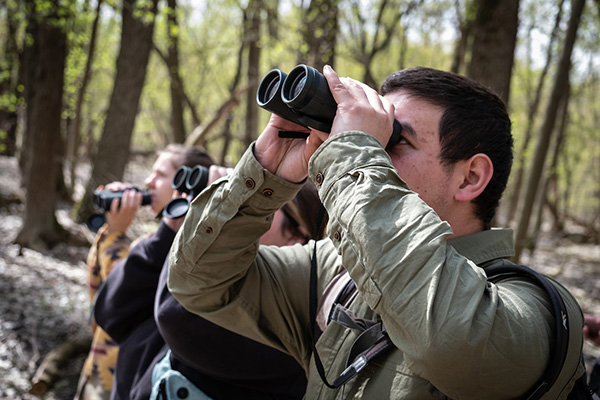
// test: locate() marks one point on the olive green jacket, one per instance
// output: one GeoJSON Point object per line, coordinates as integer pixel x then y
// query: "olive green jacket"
{"type": "Point", "coordinates": [456, 335]}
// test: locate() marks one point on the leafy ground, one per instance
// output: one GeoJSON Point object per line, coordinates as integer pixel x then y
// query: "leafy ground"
{"type": "Point", "coordinates": [44, 302]}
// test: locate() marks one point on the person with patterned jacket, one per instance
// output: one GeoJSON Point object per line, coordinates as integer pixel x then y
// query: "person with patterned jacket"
{"type": "Point", "coordinates": [112, 244]}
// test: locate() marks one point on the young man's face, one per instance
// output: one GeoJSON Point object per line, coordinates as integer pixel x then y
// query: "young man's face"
{"type": "Point", "coordinates": [159, 182]}
{"type": "Point", "coordinates": [416, 157]}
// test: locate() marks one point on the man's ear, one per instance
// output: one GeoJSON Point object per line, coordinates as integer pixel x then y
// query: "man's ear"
{"type": "Point", "coordinates": [477, 173]}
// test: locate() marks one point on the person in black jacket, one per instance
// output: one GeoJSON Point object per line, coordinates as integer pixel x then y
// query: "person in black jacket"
{"type": "Point", "coordinates": [137, 310]}
{"type": "Point", "coordinates": [112, 245]}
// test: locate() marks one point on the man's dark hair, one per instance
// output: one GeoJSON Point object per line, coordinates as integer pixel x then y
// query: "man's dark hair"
{"type": "Point", "coordinates": [187, 155]}
{"type": "Point", "coordinates": [474, 120]}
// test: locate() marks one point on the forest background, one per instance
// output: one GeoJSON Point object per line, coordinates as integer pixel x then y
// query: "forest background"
{"type": "Point", "coordinates": [96, 85]}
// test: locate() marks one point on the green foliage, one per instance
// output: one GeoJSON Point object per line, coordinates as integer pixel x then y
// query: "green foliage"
{"type": "Point", "coordinates": [210, 37]}
{"type": "Point", "coordinates": [57, 13]}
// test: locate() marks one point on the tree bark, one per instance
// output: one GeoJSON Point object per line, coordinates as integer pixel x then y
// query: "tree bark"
{"type": "Point", "coordinates": [40, 227]}
{"type": "Point", "coordinates": [198, 137]}
{"type": "Point", "coordinates": [494, 39]}
{"type": "Point", "coordinates": [532, 111]}
{"type": "Point", "coordinates": [550, 177]}
{"type": "Point", "coordinates": [31, 53]}
{"type": "Point", "coordinates": [8, 85]}
{"type": "Point", "coordinates": [186, 99]}
{"type": "Point", "coordinates": [132, 62]}
{"type": "Point", "coordinates": [74, 129]}
{"type": "Point", "coordinates": [177, 123]}
{"type": "Point", "coordinates": [253, 24]}
{"type": "Point", "coordinates": [558, 89]}
{"type": "Point", "coordinates": [465, 28]}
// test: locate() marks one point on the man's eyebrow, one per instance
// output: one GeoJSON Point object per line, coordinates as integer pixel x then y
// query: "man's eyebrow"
{"type": "Point", "coordinates": [408, 130]}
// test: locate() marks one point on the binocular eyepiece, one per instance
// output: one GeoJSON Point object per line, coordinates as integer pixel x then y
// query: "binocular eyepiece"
{"type": "Point", "coordinates": [190, 180]}
{"type": "Point", "coordinates": [303, 97]}
{"type": "Point", "coordinates": [103, 198]}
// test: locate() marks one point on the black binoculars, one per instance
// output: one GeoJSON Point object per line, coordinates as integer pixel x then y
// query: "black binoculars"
{"type": "Point", "coordinates": [103, 198]}
{"type": "Point", "coordinates": [190, 180]}
{"type": "Point", "coordinates": [304, 97]}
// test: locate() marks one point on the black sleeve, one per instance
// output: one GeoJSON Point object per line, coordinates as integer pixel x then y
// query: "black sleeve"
{"type": "Point", "coordinates": [127, 296]}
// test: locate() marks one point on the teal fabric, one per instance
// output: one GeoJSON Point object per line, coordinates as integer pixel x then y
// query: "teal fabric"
{"type": "Point", "coordinates": [168, 384]}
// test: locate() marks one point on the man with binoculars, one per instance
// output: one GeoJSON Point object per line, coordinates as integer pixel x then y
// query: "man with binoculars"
{"type": "Point", "coordinates": [409, 224]}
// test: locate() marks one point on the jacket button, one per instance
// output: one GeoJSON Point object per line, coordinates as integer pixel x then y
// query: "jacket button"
{"type": "Point", "coordinates": [319, 178]}
{"type": "Point", "coordinates": [337, 236]}
{"type": "Point", "coordinates": [208, 230]}
{"type": "Point", "coordinates": [250, 183]}
{"type": "Point", "coordinates": [267, 192]}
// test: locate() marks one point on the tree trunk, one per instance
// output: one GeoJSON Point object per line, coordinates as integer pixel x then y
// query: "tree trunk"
{"type": "Point", "coordinates": [74, 129]}
{"type": "Point", "coordinates": [226, 131]}
{"type": "Point", "coordinates": [8, 86]}
{"type": "Point", "coordinates": [252, 36]}
{"type": "Point", "coordinates": [132, 61]}
{"type": "Point", "coordinates": [550, 177]}
{"type": "Point", "coordinates": [40, 227]}
{"type": "Point", "coordinates": [31, 53]}
{"type": "Point", "coordinates": [177, 123]}
{"type": "Point", "coordinates": [384, 32]}
{"type": "Point", "coordinates": [558, 90]}
{"type": "Point", "coordinates": [465, 28]}
{"type": "Point", "coordinates": [494, 39]}
{"type": "Point", "coordinates": [186, 99]}
{"type": "Point", "coordinates": [320, 42]}
{"type": "Point", "coordinates": [533, 107]}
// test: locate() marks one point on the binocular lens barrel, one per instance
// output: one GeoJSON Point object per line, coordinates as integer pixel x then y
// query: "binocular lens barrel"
{"type": "Point", "coordinates": [197, 179]}
{"type": "Point", "coordinates": [306, 91]}
{"type": "Point", "coordinates": [103, 198]}
{"type": "Point", "coordinates": [180, 178]}
{"type": "Point", "coordinates": [269, 87]}
{"type": "Point", "coordinates": [268, 96]}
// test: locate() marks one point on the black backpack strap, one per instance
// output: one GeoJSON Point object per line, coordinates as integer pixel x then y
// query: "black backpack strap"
{"type": "Point", "coordinates": [561, 326]}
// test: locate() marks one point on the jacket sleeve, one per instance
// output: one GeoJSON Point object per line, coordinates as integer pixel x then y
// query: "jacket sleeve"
{"type": "Point", "coordinates": [218, 270]}
{"type": "Point", "coordinates": [127, 296]}
{"type": "Point", "coordinates": [438, 307]}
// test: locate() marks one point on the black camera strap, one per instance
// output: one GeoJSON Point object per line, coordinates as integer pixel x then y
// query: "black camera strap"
{"type": "Point", "coordinates": [312, 295]}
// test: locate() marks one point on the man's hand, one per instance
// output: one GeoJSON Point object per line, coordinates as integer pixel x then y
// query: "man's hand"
{"type": "Point", "coordinates": [119, 218]}
{"type": "Point", "coordinates": [360, 108]}
{"type": "Point", "coordinates": [286, 158]}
